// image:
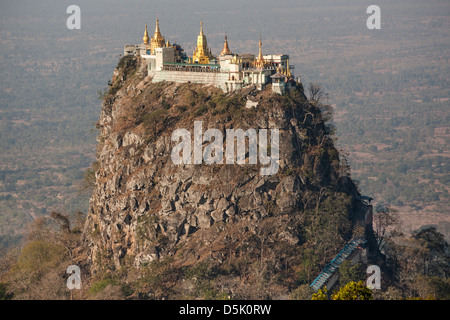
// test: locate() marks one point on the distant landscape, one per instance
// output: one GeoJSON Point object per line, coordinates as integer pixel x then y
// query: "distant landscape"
{"type": "Point", "coordinates": [390, 90]}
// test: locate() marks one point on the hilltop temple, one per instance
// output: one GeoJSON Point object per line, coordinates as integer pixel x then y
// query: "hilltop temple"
{"type": "Point", "coordinates": [228, 71]}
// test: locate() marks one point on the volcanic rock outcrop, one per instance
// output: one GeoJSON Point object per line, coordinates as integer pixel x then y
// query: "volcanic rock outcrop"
{"type": "Point", "coordinates": [144, 207]}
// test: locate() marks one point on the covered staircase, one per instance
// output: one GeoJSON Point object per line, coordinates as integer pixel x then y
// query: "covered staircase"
{"type": "Point", "coordinates": [331, 268]}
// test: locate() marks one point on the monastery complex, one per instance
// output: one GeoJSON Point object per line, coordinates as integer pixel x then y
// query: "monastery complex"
{"type": "Point", "coordinates": [228, 71]}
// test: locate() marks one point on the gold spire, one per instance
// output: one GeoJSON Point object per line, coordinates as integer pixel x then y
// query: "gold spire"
{"type": "Point", "coordinates": [260, 56]}
{"type": "Point", "coordinates": [157, 36]}
{"type": "Point", "coordinates": [288, 70]}
{"type": "Point", "coordinates": [157, 41]}
{"type": "Point", "coordinates": [226, 49]}
{"type": "Point", "coordinates": [146, 38]}
{"type": "Point", "coordinates": [202, 53]}
{"type": "Point", "coordinates": [260, 60]}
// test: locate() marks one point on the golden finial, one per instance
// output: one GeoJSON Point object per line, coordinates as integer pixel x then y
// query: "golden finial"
{"type": "Point", "coordinates": [145, 38]}
{"type": "Point", "coordinates": [226, 49]}
{"type": "Point", "coordinates": [260, 60]}
{"type": "Point", "coordinates": [157, 41]}
{"type": "Point", "coordinates": [288, 69]}
{"type": "Point", "coordinates": [202, 53]}
{"type": "Point", "coordinates": [260, 48]}
{"type": "Point", "coordinates": [157, 35]}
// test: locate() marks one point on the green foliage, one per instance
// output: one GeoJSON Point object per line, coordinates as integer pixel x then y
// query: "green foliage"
{"type": "Point", "coordinates": [303, 292]}
{"type": "Point", "coordinates": [39, 256]}
{"type": "Point", "coordinates": [202, 275]}
{"type": "Point", "coordinates": [321, 294]}
{"type": "Point", "coordinates": [158, 278]}
{"type": "Point", "coordinates": [429, 287]}
{"type": "Point", "coordinates": [154, 117]}
{"type": "Point", "coordinates": [217, 103]}
{"type": "Point", "coordinates": [37, 270]}
{"type": "Point", "coordinates": [421, 263]}
{"type": "Point", "coordinates": [100, 285]}
{"type": "Point", "coordinates": [353, 291]}
{"type": "Point", "coordinates": [153, 122]}
{"type": "Point", "coordinates": [89, 176]}
{"type": "Point", "coordinates": [329, 224]}
{"type": "Point", "coordinates": [351, 272]}
{"type": "Point", "coordinates": [102, 93]}
{"type": "Point", "coordinates": [200, 271]}
{"type": "Point", "coordinates": [127, 290]}
{"type": "Point", "coordinates": [200, 110]}
{"type": "Point", "coordinates": [309, 266]}
{"type": "Point", "coordinates": [434, 240]}
{"type": "Point", "coordinates": [127, 67]}
{"type": "Point", "coordinates": [420, 298]}
{"type": "Point", "coordinates": [164, 103]}
{"type": "Point", "coordinates": [4, 294]}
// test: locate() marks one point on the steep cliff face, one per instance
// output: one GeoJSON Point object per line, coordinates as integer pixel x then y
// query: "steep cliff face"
{"type": "Point", "coordinates": [144, 207]}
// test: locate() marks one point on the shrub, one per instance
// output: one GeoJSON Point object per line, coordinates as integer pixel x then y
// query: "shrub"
{"type": "Point", "coordinates": [353, 291]}
{"type": "Point", "coordinates": [100, 285]}
{"type": "Point", "coordinates": [38, 256]}
{"type": "Point", "coordinates": [322, 294]}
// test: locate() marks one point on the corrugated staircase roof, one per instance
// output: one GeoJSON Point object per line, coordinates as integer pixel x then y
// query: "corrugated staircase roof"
{"type": "Point", "coordinates": [333, 266]}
